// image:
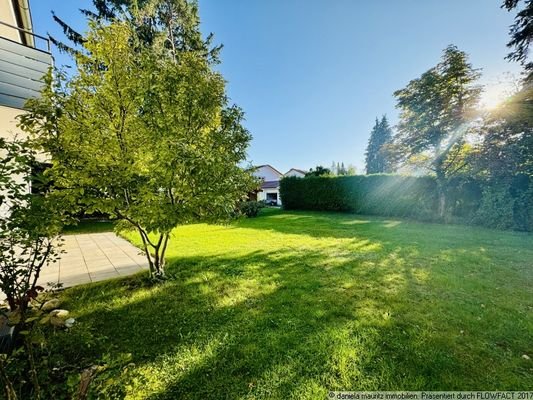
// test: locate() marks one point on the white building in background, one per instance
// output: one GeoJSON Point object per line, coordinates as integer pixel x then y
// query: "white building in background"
{"type": "Point", "coordinates": [270, 176]}
{"type": "Point", "coordinates": [295, 172]}
{"type": "Point", "coordinates": [24, 59]}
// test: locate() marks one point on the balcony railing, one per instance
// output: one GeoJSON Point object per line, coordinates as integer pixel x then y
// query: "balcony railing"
{"type": "Point", "coordinates": [22, 68]}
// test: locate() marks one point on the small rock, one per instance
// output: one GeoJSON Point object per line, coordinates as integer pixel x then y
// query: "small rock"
{"type": "Point", "coordinates": [525, 357]}
{"type": "Point", "coordinates": [59, 313]}
{"type": "Point", "coordinates": [51, 305]}
{"type": "Point", "coordinates": [69, 322]}
{"type": "Point", "coordinates": [483, 306]}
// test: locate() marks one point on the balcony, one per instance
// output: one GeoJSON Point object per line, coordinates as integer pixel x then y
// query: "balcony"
{"type": "Point", "coordinates": [22, 68]}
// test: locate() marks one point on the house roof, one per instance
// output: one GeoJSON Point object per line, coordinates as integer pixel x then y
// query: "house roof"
{"type": "Point", "coordinates": [297, 170]}
{"type": "Point", "coordinates": [270, 185]}
{"type": "Point", "coordinates": [269, 166]}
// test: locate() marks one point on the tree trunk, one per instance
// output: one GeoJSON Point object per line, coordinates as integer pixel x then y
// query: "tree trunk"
{"type": "Point", "coordinates": [441, 194]}
{"type": "Point", "coordinates": [156, 257]}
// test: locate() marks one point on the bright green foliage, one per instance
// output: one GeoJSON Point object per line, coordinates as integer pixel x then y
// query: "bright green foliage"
{"type": "Point", "coordinates": [290, 305]}
{"type": "Point", "coordinates": [144, 133]}
{"type": "Point", "coordinates": [29, 225]}
{"type": "Point", "coordinates": [377, 157]}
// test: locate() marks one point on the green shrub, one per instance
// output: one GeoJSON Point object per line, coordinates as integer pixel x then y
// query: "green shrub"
{"type": "Point", "coordinates": [250, 208]}
{"type": "Point", "coordinates": [388, 195]}
{"type": "Point", "coordinates": [496, 208]}
{"type": "Point", "coordinates": [494, 205]}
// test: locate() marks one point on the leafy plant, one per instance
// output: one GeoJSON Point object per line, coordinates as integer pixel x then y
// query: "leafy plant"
{"type": "Point", "coordinates": [143, 131]}
{"type": "Point", "coordinates": [251, 208]}
{"type": "Point", "coordinates": [30, 225]}
{"type": "Point", "coordinates": [435, 110]}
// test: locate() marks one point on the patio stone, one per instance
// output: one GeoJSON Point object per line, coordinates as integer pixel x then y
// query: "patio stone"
{"type": "Point", "coordinates": [93, 257]}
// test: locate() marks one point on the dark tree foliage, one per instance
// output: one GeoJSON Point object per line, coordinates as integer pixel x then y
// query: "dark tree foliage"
{"type": "Point", "coordinates": [318, 171]}
{"type": "Point", "coordinates": [521, 33]}
{"type": "Point", "coordinates": [148, 17]}
{"type": "Point", "coordinates": [472, 201]}
{"type": "Point", "coordinates": [377, 155]}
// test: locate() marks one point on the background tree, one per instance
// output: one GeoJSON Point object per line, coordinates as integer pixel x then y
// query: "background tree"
{"type": "Point", "coordinates": [178, 17]}
{"type": "Point", "coordinates": [521, 33]}
{"type": "Point", "coordinates": [377, 157]}
{"type": "Point", "coordinates": [143, 132]}
{"type": "Point", "coordinates": [333, 168]}
{"type": "Point", "coordinates": [435, 110]}
{"type": "Point", "coordinates": [507, 133]}
{"type": "Point", "coordinates": [318, 171]}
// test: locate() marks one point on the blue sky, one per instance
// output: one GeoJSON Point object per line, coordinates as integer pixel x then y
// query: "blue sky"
{"type": "Point", "coordinates": [312, 75]}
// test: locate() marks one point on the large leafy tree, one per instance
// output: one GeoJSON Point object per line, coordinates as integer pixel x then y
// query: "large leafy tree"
{"type": "Point", "coordinates": [435, 111]}
{"type": "Point", "coordinates": [143, 131]}
{"type": "Point", "coordinates": [377, 155]}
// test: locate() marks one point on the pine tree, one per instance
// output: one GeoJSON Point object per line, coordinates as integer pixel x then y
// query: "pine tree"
{"type": "Point", "coordinates": [377, 159]}
{"type": "Point", "coordinates": [146, 17]}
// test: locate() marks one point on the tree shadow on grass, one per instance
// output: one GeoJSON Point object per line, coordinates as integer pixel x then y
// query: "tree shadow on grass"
{"type": "Point", "coordinates": [283, 324]}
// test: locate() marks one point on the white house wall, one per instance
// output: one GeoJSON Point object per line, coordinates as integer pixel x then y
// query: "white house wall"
{"type": "Point", "coordinates": [262, 195]}
{"type": "Point", "coordinates": [267, 174]}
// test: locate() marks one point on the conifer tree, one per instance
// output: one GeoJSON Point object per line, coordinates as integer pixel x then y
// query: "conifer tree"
{"type": "Point", "coordinates": [377, 159]}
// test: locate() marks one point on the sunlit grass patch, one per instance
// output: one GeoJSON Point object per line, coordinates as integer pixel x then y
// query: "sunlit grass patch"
{"type": "Point", "coordinates": [293, 304]}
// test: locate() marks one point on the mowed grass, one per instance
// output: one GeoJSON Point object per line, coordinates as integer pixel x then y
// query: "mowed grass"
{"type": "Point", "coordinates": [295, 304]}
{"type": "Point", "coordinates": [89, 226]}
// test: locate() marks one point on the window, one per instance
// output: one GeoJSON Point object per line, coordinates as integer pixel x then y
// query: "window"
{"type": "Point", "coordinates": [272, 197]}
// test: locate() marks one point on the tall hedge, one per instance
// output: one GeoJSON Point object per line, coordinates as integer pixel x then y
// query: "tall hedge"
{"type": "Point", "coordinates": [409, 197]}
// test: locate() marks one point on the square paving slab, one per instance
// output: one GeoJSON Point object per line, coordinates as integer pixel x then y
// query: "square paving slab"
{"type": "Point", "coordinates": [93, 257]}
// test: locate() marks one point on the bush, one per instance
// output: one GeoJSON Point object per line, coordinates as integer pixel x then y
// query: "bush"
{"type": "Point", "coordinates": [388, 195]}
{"type": "Point", "coordinates": [469, 201]}
{"type": "Point", "coordinates": [496, 208]}
{"type": "Point", "coordinates": [250, 208]}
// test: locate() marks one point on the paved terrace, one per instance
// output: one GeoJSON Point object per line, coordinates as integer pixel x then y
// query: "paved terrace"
{"type": "Point", "coordinates": [93, 257]}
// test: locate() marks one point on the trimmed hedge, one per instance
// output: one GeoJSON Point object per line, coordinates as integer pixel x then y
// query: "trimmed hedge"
{"type": "Point", "coordinates": [409, 197]}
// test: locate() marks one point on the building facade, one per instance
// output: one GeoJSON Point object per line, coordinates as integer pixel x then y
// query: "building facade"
{"type": "Point", "coordinates": [270, 178]}
{"type": "Point", "coordinates": [24, 60]}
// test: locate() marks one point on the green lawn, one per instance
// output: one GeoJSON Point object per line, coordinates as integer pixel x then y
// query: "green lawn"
{"type": "Point", "coordinates": [294, 304]}
{"type": "Point", "coordinates": [89, 226]}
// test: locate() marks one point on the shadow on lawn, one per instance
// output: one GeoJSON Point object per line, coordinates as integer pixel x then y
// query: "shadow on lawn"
{"type": "Point", "coordinates": [275, 325]}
